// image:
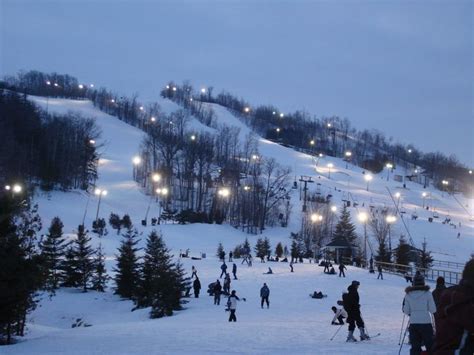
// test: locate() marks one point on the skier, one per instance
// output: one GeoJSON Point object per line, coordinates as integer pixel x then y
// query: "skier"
{"type": "Point", "coordinates": [339, 315]}
{"type": "Point", "coordinates": [194, 272]}
{"type": "Point", "coordinates": [418, 305]}
{"type": "Point", "coordinates": [341, 269]}
{"type": "Point", "coordinates": [438, 291]}
{"type": "Point", "coordinates": [224, 269]}
{"type": "Point", "coordinates": [264, 294]}
{"type": "Point", "coordinates": [217, 292]}
{"type": "Point", "coordinates": [352, 307]}
{"type": "Point", "coordinates": [291, 266]}
{"type": "Point", "coordinates": [196, 287]}
{"type": "Point", "coordinates": [455, 324]}
{"type": "Point", "coordinates": [227, 284]}
{"type": "Point", "coordinates": [230, 256]}
{"type": "Point", "coordinates": [234, 271]}
{"type": "Point", "coordinates": [379, 269]}
{"type": "Point", "coordinates": [232, 304]}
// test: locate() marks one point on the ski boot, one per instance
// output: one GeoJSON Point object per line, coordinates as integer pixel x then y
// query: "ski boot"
{"type": "Point", "coordinates": [350, 337]}
{"type": "Point", "coordinates": [363, 334]}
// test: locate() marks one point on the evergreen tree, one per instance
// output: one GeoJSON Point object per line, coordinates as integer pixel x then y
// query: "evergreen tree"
{"type": "Point", "coordinates": [279, 250]}
{"type": "Point", "coordinates": [99, 227]}
{"type": "Point", "coordinates": [126, 222]}
{"type": "Point", "coordinates": [52, 253]}
{"type": "Point", "coordinates": [259, 249]}
{"type": "Point", "coordinates": [84, 253]}
{"type": "Point", "coordinates": [28, 225]}
{"type": "Point", "coordinates": [267, 248]}
{"type": "Point", "coordinates": [115, 222]}
{"type": "Point", "coordinates": [294, 250]}
{"type": "Point", "coordinates": [424, 256]}
{"type": "Point", "coordinates": [285, 251]}
{"type": "Point", "coordinates": [162, 283]}
{"type": "Point", "coordinates": [402, 252]}
{"type": "Point", "coordinates": [127, 274]}
{"type": "Point", "coordinates": [345, 229]}
{"type": "Point", "coordinates": [246, 247]}
{"type": "Point", "coordinates": [99, 277]}
{"type": "Point", "coordinates": [71, 277]}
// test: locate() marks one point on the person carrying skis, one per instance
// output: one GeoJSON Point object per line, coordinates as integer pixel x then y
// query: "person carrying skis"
{"type": "Point", "coordinates": [217, 292]}
{"type": "Point", "coordinates": [196, 287]}
{"type": "Point", "coordinates": [264, 294]}
{"type": "Point", "coordinates": [339, 315]}
{"type": "Point", "coordinates": [455, 316]}
{"type": "Point", "coordinates": [223, 269]}
{"type": "Point", "coordinates": [418, 304]}
{"type": "Point", "coordinates": [342, 267]}
{"type": "Point", "coordinates": [234, 271]}
{"type": "Point", "coordinates": [352, 307]}
{"type": "Point", "coordinates": [379, 269]}
{"type": "Point", "coordinates": [232, 305]}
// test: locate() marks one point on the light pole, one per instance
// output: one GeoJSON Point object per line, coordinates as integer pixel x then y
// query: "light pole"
{"type": "Point", "coordinates": [315, 218]}
{"type": "Point", "coordinates": [15, 189]}
{"type": "Point", "coordinates": [363, 218]}
{"type": "Point", "coordinates": [136, 161]}
{"type": "Point", "coordinates": [333, 210]}
{"type": "Point", "coordinates": [424, 194]}
{"type": "Point", "coordinates": [368, 178]}
{"type": "Point", "coordinates": [100, 193]}
{"type": "Point", "coordinates": [388, 166]}
{"type": "Point", "coordinates": [445, 186]}
{"type": "Point", "coordinates": [330, 165]}
{"type": "Point", "coordinates": [160, 192]}
{"type": "Point", "coordinates": [224, 193]}
{"type": "Point", "coordinates": [348, 156]}
{"type": "Point", "coordinates": [390, 220]}
{"type": "Point", "coordinates": [398, 195]}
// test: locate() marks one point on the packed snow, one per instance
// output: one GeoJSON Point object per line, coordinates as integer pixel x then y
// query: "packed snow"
{"type": "Point", "coordinates": [294, 322]}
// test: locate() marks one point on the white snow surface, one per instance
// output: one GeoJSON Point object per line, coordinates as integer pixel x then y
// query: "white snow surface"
{"type": "Point", "coordinates": [294, 323]}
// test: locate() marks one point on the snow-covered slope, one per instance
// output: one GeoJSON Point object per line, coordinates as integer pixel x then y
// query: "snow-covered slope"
{"type": "Point", "coordinates": [294, 322]}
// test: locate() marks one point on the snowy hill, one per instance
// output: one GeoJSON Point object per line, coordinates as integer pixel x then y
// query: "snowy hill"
{"type": "Point", "coordinates": [292, 316]}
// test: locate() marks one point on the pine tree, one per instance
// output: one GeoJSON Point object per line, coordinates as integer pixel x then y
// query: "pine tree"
{"type": "Point", "coordinates": [84, 253]}
{"type": "Point", "coordinates": [294, 252]}
{"type": "Point", "coordinates": [52, 253]}
{"type": "Point", "coordinates": [99, 227]}
{"type": "Point", "coordinates": [345, 229]}
{"type": "Point", "coordinates": [115, 222]}
{"type": "Point", "coordinates": [126, 222]}
{"type": "Point", "coordinates": [127, 274]}
{"type": "Point", "coordinates": [100, 276]}
{"type": "Point", "coordinates": [71, 277]}
{"type": "Point", "coordinates": [259, 249]}
{"type": "Point", "coordinates": [162, 283]}
{"type": "Point", "coordinates": [28, 225]}
{"type": "Point", "coordinates": [267, 248]}
{"type": "Point", "coordinates": [402, 252]}
{"type": "Point", "coordinates": [424, 256]}
{"type": "Point", "coordinates": [279, 250]}
{"type": "Point", "coordinates": [247, 247]}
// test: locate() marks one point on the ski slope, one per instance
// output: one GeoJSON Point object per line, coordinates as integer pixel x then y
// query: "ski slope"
{"type": "Point", "coordinates": [294, 322]}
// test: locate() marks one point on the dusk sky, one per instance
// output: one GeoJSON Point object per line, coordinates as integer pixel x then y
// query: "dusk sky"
{"type": "Point", "coordinates": [402, 67]}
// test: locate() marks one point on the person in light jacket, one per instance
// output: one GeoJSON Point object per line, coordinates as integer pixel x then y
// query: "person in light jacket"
{"type": "Point", "coordinates": [339, 315]}
{"type": "Point", "coordinates": [232, 304]}
{"type": "Point", "coordinates": [419, 306]}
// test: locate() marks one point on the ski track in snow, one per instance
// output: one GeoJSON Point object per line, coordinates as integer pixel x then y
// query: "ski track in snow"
{"type": "Point", "coordinates": [294, 323]}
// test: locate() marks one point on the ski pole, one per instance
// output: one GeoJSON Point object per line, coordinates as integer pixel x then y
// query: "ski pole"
{"type": "Point", "coordinates": [337, 331]}
{"type": "Point", "coordinates": [401, 330]}
{"type": "Point", "coordinates": [403, 340]}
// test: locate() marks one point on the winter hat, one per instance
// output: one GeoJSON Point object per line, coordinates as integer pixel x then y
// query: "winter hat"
{"type": "Point", "coordinates": [419, 280]}
{"type": "Point", "coordinates": [355, 283]}
{"type": "Point", "coordinates": [468, 272]}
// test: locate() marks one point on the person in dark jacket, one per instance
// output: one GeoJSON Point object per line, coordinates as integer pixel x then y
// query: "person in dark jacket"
{"type": "Point", "coordinates": [440, 287]}
{"type": "Point", "coordinates": [379, 269]}
{"type": "Point", "coordinates": [342, 267]}
{"type": "Point", "coordinates": [230, 256]}
{"type": "Point", "coordinates": [234, 271]}
{"type": "Point", "coordinates": [352, 307]}
{"type": "Point", "coordinates": [223, 269]}
{"type": "Point", "coordinates": [455, 317]}
{"type": "Point", "coordinates": [227, 284]}
{"type": "Point", "coordinates": [264, 294]}
{"type": "Point", "coordinates": [196, 287]}
{"type": "Point", "coordinates": [217, 292]}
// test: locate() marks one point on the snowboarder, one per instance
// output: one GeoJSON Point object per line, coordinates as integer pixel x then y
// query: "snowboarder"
{"type": "Point", "coordinates": [341, 269]}
{"type": "Point", "coordinates": [234, 271]}
{"type": "Point", "coordinates": [418, 304]}
{"type": "Point", "coordinates": [291, 266]}
{"type": "Point", "coordinates": [456, 316]}
{"type": "Point", "coordinates": [230, 256]}
{"type": "Point", "coordinates": [194, 272]}
{"type": "Point", "coordinates": [217, 292]}
{"type": "Point", "coordinates": [379, 269]}
{"type": "Point", "coordinates": [352, 307]}
{"type": "Point", "coordinates": [232, 305]}
{"type": "Point", "coordinates": [196, 287]}
{"type": "Point", "coordinates": [339, 315]}
{"type": "Point", "coordinates": [223, 269]}
{"type": "Point", "coordinates": [264, 294]}
{"type": "Point", "coordinates": [270, 271]}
